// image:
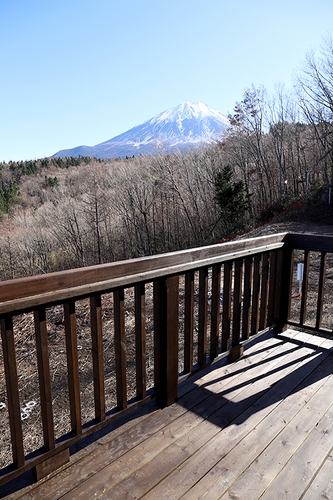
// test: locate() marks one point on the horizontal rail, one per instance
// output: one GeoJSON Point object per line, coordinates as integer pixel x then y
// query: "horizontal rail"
{"type": "Point", "coordinates": [313, 242]}
{"type": "Point", "coordinates": [29, 302]}
{"type": "Point", "coordinates": [25, 293]}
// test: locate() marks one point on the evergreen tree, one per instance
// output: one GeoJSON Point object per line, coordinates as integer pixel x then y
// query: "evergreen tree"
{"type": "Point", "coordinates": [232, 199]}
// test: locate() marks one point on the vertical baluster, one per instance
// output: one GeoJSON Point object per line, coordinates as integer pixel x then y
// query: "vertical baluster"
{"type": "Point", "coordinates": [236, 349]}
{"type": "Point", "coordinates": [264, 291]}
{"type": "Point", "coordinates": [188, 322]}
{"type": "Point", "coordinates": [140, 340]}
{"type": "Point", "coordinates": [321, 289]}
{"type": "Point", "coordinates": [203, 313]}
{"type": "Point", "coordinates": [278, 283]}
{"type": "Point", "coordinates": [73, 366]}
{"type": "Point", "coordinates": [97, 355]}
{"type": "Point", "coordinates": [8, 346]}
{"type": "Point", "coordinates": [305, 286]}
{"type": "Point", "coordinates": [226, 320]}
{"type": "Point", "coordinates": [248, 267]}
{"type": "Point", "coordinates": [45, 390]}
{"type": "Point", "coordinates": [120, 347]}
{"type": "Point", "coordinates": [286, 286]}
{"type": "Point", "coordinates": [215, 311]}
{"type": "Point", "coordinates": [272, 290]}
{"type": "Point", "coordinates": [255, 294]}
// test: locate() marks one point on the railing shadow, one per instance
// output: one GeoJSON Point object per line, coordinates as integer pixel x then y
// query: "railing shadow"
{"type": "Point", "coordinates": [268, 388]}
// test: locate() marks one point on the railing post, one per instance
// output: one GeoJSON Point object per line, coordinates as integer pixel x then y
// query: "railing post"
{"type": "Point", "coordinates": [166, 298]}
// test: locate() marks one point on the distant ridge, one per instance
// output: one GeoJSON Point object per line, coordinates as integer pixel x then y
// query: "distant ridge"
{"type": "Point", "coordinates": [188, 125]}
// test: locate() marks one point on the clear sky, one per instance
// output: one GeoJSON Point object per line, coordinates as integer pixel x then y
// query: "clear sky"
{"type": "Point", "coordinates": [76, 72]}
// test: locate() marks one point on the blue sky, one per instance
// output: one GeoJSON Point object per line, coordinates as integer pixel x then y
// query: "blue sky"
{"type": "Point", "coordinates": [81, 72]}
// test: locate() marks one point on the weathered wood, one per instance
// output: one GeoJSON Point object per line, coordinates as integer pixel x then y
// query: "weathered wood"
{"type": "Point", "coordinates": [278, 283]}
{"type": "Point", "coordinates": [254, 434]}
{"type": "Point", "coordinates": [312, 242]}
{"type": "Point", "coordinates": [262, 410]}
{"type": "Point", "coordinates": [272, 287]}
{"type": "Point", "coordinates": [286, 286]}
{"type": "Point", "coordinates": [255, 295]}
{"type": "Point", "coordinates": [69, 440]}
{"type": "Point", "coordinates": [140, 341]}
{"type": "Point", "coordinates": [182, 426]}
{"type": "Point", "coordinates": [165, 317]}
{"type": "Point", "coordinates": [203, 316]}
{"type": "Point", "coordinates": [264, 291]}
{"type": "Point", "coordinates": [166, 292]}
{"type": "Point", "coordinates": [45, 468]}
{"type": "Point", "coordinates": [73, 367]}
{"type": "Point", "coordinates": [321, 286]}
{"type": "Point", "coordinates": [97, 355]}
{"type": "Point", "coordinates": [226, 319]}
{"type": "Point", "coordinates": [322, 485]}
{"type": "Point", "coordinates": [29, 293]}
{"type": "Point", "coordinates": [13, 398]}
{"type": "Point", "coordinates": [248, 268]}
{"type": "Point", "coordinates": [215, 311]}
{"type": "Point", "coordinates": [188, 321]}
{"type": "Point", "coordinates": [237, 306]}
{"type": "Point", "coordinates": [120, 347]}
{"type": "Point", "coordinates": [303, 433]}
{"type": "Point", "coordinates": [45, 391]}
{"type": "Point", "coordinates": [305, 286]}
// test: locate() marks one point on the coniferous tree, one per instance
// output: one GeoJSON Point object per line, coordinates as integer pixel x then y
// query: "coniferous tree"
{"type": "Point", "coordinates": [232, 199]}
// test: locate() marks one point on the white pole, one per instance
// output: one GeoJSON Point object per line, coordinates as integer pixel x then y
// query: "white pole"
{"type": "Point", "coordinates": [300, 273]}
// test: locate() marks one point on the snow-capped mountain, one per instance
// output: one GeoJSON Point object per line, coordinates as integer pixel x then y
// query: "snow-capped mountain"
{"type": "Point", "coordinates": [188, 125]}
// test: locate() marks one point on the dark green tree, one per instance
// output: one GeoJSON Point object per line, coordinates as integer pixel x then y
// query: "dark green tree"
{"type": "Point", "coordinates": [231, 197]}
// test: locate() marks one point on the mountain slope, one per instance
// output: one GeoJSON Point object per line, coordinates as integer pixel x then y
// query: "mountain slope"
{"type": "Point", "coordinates": [187, 125]}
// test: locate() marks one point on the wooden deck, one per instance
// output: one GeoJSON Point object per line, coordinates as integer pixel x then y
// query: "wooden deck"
{"type": "Point", "coordinates": [257, 428]}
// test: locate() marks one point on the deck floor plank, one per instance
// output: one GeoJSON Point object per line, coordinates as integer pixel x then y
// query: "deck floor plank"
{"type": "Point", "coordinates": [242, 430]}
{"type": "Point", "coordinates": [298, 472]}
{"type": "Point", "coordinates": [138, 457]}
{"type": "Point", "coordinates": [322, 484]}
{"type": "Point", "coordinates": [274, 458]}
{"type": "Point", "coordinates": [204, 471]}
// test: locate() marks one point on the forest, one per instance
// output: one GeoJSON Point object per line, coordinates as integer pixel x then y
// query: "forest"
{"type": "Point", "coordinates": [61, 213]}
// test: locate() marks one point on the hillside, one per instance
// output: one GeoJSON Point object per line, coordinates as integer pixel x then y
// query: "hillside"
{"type": "Point", "coordinates": [316, 218]}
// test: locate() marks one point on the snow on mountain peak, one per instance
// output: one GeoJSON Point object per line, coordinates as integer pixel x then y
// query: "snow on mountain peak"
{"type": "Point", "coordinates": [188, 125]}
{"type": "Point", "coordinates": [189, 110]}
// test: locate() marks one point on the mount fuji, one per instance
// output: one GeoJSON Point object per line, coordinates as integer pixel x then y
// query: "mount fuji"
{"type": "Point", "coordinates": [186, 126]}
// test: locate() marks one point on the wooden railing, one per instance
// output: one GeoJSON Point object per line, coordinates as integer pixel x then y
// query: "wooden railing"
{"type": "Point", "coordinates": [164, 316]}
{"type": "Point", "coordinates": [308, 302]}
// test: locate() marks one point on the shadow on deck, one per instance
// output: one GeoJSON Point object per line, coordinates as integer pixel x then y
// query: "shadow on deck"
{"type": "Point", "coordinates": [257, 428]}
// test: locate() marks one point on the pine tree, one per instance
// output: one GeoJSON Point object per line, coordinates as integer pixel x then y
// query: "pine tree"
{"type": "Point", "coordinates": [232, 199]}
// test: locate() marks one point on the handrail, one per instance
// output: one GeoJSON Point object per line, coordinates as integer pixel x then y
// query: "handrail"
{"type": "Point", "coordinates": [228, 291]}
{"type": "Point", "coordinates": [124, 272]}
{"type": "Point", "coordinates": [49, 297]}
